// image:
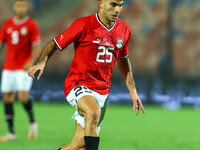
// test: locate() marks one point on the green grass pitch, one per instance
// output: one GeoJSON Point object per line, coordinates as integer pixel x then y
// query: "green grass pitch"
{"type": "Point", "coordinates": [158, 129]}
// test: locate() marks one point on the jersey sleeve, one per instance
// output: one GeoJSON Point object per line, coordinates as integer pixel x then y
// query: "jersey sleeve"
{"type": "Point", "coordinates": [124, 53]}
{"type": "Point", "coordinates": [35, 35]}
{"type": "Point", "coordinates": [71, 34]}
{"type": "Point", "coordinates": [3, 34]}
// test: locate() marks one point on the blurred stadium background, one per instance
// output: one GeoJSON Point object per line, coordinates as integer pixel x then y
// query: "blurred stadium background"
{"type": "Point", "coordinates": [164, 51]}
{"type": "Point", "coordinates": [164, 48]}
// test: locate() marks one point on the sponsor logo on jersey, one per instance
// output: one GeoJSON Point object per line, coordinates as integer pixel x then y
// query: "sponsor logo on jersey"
{"type": "Point", "coordinates": [96, 41]}
{"type": "Point", "coordinates": [61, 37]}
{"type": "Point", "coordinates": [119, 43]}
{"type": "Point", "coordinates": [9, 30]}
{"type": "Point", "coordinates": [24, 30]}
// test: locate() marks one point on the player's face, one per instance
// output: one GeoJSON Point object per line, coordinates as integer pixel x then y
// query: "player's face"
{"type": "Point", "coordinates": [111, 9]}
{"type": "Point", "coordinates": [20, 8]}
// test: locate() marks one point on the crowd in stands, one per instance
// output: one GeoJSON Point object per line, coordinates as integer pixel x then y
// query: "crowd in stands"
{"type": "Point", "coordinates": [157, 33]}
{"type": "Point", "coordinates": [149, 21]}
{"type": "Point", "coordinates": [5, 10]}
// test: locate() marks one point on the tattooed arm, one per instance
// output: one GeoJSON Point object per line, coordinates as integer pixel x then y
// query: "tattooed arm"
{"type": "Point", "coordinates": [48, 51]}
{"type": "Point", "coordinates": [125, 69]}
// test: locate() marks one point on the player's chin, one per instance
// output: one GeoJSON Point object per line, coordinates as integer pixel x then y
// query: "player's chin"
{"type": "Point", "coordinates": [113, 20]}
{"type": "Point", "coordinates": [21, 14]}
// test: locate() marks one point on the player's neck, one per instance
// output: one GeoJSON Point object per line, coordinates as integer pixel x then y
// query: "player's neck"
{"type": "Point", "coordinates": [20, 18]}
{"type": "Point", "coordinates": [107, 23]}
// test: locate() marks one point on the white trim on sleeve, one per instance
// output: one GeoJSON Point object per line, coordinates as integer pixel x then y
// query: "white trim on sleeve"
{"type": "Point", "coordinates": [57, 44]}
{"type": "Point", "coordinates": [36, 43]}
{"type": "Point", "coordinates": [123, 57]}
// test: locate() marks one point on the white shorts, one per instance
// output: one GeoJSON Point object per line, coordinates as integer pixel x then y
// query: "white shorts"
{"type": "Point", "coordinates": [17, 80]}
{"type": "Point", "coordinates": [80, 91]}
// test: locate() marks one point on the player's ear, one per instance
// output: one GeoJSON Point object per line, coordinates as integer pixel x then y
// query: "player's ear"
{"type": "Point", "coordinates": [14, 6]}
{"type": "Point", "coordinates": [100, 4]}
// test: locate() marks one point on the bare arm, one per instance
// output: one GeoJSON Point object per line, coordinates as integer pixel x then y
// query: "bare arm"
{"type": "Point", "coordinates": [48, 51]}
{"type": "Point", "coordinates": [36, 50]}
{"type": "Point", "coordinates": [125, 69]}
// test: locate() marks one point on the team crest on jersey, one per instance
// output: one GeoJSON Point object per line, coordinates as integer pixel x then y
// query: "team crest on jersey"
{"type": "Point", "coordinates": [9, 30]}
{"type": "Point", "coordinates": [119, 43]}
{"type": "Point", "coordinates": [24, 30]}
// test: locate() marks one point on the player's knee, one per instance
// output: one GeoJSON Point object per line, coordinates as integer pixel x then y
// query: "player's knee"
{"type": "Point", "coordinates": [8, 98]}
{"type": "Point", "coordinates": [23, 98]}
{"type": "Point", "coordinates": [93, 116]}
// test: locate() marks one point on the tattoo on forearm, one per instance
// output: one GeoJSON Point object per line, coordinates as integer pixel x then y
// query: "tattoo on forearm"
{"type": "Point", "coordinates": [47, 52]}
{"type": "Point", "coordinates": [130, 80]}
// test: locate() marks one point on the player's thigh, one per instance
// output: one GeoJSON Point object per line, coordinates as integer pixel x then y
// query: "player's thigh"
{"type": "Point", "coordinates": [23, 96]}
{"type": "Point", "coordinates": [9, 97]}
{"type": "Point", "coordinates": [23, 81]}
{"type": "Point", "coordinates": [88, 106]}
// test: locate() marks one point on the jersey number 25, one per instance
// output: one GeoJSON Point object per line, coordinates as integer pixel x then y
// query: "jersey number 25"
{"type": "Point", "coordinates": [104, 52]}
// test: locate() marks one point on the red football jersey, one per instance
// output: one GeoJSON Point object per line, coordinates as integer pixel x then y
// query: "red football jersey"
{"type": "Point", "coordinates": [97, 49]}
{"type": "Point", "coordinates": [19, 37]}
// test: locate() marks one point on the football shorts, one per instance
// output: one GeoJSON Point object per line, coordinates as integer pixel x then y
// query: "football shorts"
{"type": "Point", "coordinates": [17, 80]}
{"type": "Point", "coordinates": [80, 91]}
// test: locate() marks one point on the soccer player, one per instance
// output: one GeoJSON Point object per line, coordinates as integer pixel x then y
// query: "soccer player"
{"type": "Point", "coordinates": [100, 40]}
{"type": "Point", "coordinates": [22, 37]}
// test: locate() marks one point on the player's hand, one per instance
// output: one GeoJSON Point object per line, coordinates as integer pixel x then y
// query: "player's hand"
{"type": "Point", "coordinates": [36, 68]}
{"type": "Point", "coordinates": [137, 104]}
{"type": "Point", "coordinates": [28, 65]}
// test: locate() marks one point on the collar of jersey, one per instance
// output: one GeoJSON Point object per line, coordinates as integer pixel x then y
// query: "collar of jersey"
{"type": "Point", "coordinates": [104, 24]}
{"type": "Point", "coordinates": [21, 21]}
